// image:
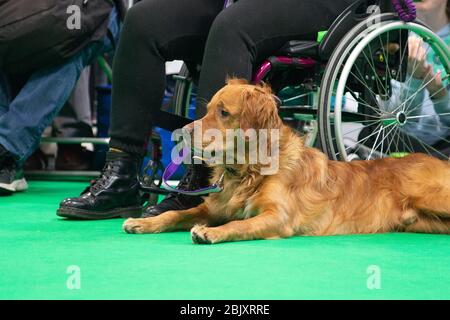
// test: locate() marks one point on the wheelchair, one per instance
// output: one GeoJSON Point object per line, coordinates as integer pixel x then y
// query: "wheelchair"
{"type": "Point", "coordinates": [334, 88]}
{"type": "Point", "coordinates": [348, 92]}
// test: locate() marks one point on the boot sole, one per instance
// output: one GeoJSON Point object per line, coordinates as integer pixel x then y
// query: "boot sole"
{"type": "Point", "coordinates": [79, 214]}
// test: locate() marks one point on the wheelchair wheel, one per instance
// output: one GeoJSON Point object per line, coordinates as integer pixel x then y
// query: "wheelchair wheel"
{"type": "Point", "coordinates": [370, 105]}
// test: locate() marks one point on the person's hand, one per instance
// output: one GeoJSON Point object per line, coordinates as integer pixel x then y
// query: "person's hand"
{"type": "Point", "coordinates": [436, 86]}
{"type": "Point", "coordinates": [419, 68]}
{"type": "Point", "coordinates": [417, 55]}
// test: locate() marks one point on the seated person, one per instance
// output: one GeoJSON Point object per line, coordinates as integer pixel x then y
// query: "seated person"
{"type": "Point", "coordinates": [227, 42]}
{"type": "Point", "coordinates": [29, 104]}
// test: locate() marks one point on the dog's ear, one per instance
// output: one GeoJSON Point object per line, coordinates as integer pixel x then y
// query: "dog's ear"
{"type": "Point", "coordinates": [259, 110]}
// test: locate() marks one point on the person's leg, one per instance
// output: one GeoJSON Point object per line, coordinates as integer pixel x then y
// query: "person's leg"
{"type": "Point", "coordinates": [154, 32]}
{"type": "Point", "coordinates": [29, 113]}
{"type": "Point", "coordinates": [249, 31]}
{"type": "Point", "coordinates": [33, 109]}
{"type": "Point", "coordinates": [11, 177]}
{"type": "Point", "coordinates": [6, 163]}
{"type": "Point", "coordinates": [39, 99]}
{"type": "Point", "coordinates": [35, 100]}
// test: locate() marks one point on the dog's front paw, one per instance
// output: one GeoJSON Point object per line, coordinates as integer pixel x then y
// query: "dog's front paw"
{"type": "Point", "coordinates": [137, 226]}
{"type": "Point", "coordinates": [204, 235]}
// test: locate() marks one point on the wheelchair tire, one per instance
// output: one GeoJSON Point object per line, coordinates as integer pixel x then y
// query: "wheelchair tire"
{"type": "Point", "coordinates": [334, 83]}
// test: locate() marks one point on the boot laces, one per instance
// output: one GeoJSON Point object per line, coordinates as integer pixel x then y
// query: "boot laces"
{"type": "Point", "coordinates": [101, 182]}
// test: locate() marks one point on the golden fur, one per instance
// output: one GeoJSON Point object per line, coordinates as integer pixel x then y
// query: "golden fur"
{"type": "Point", "coordinates": [309, 195]}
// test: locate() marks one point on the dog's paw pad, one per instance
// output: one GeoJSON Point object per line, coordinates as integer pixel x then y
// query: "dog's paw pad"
{"type": "Point", "coordinates": [133, 227]}
{"type": "Point", "coordinates": [200, 238]}
{"type": "Point", "coordinates": [199, 235]}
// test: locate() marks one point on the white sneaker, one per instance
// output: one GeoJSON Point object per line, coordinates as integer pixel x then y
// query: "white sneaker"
{"type": "Point", "coordinates": [12, 179]}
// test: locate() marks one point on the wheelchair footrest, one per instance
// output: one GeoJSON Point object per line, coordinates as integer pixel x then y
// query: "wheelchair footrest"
{"type": "Point", "coordinates": [154, 190]}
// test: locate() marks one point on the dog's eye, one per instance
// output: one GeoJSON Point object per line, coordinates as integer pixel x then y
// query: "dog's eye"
{"type": "Point", "coordinates": [224, 113]}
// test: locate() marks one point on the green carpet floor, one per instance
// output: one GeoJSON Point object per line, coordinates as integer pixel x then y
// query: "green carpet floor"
{"type": "Point", "coordinates": [36, 248]}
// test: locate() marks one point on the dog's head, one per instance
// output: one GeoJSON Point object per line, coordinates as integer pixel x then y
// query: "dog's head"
{"type": "Point", "coordinates": [251, 108]}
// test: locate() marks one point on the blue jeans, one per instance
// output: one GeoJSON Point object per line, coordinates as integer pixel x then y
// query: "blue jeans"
{"type": "Point", "coordinates": [24, 118]}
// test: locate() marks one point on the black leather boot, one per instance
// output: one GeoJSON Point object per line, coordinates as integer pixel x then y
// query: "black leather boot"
{"type": "Point", "coordinates": [196, 177]}
{"type": "Point", "coordinates": [114, 194]}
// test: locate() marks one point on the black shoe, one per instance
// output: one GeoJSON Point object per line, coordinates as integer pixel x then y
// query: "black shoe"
{"type": "Point", "coordinates": [196, 177]}
{"type": "Point", "coordinates": [11, 177]}
{"type": "Point", "coordinates": [114, 194]}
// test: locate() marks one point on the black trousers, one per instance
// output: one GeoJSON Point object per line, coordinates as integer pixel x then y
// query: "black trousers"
{"type": "Point", "coordinates": [228, 42]}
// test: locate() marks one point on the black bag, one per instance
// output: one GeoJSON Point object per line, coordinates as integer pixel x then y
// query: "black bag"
{"type": "Point", "coordinates": [34, 33]}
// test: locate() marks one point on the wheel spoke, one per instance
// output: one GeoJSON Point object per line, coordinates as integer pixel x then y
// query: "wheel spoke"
{"type": "Point", "coordinates": [409, 146]}
{"type": "Point", "coordinates": [370, 90]}
{"type": "Point", "coordinates": [351, 131]}
{"type": "Point", "coordinates": [377, 82]}
{"type": "Point", "coordinates": [377, 128]}
{"type": "Point", "coordinates": [430, 125]}
{"type": "Point", "coordinates": [363, 115]}
{"type": "Point", "coordinates": [413, 96]}
{"type": "Point", "coordinates": [393, 139]}
{"type": "Point", "coordinates": [429, 115]}
{"type": "Point", "coordinates": [414, 68]}
{"type": "Point", "coordinates": [430, 97]}
{"type": "Point", "coordinates": [362, 140]}
{"type": "Point", "coordinates": [402, 56]}
{"type": "Point", "coordinates": [375, 143]}
{"type": "Point", "coordinates": [442, 138]}
{"type": "Point", "coordinates": [422, 87]}
{"type": "Point", "coordinates": [364, 103]}
{"type": "Point", "coordinates": [372, 65]}
{"type": "Point", "coordinates": [375, 147]}
{"type": "Point", "coordinates": [426, 146]}
{"type": "Point", "coordinates": [405, 85]}
{"type": "Point", "coordinates": [397, 141]}
{"type": "Point", "coordinates": [385, 61]}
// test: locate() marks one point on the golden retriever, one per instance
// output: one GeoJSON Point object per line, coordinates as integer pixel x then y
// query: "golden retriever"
{"type": "Point", "coordinates": [309, 194]}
